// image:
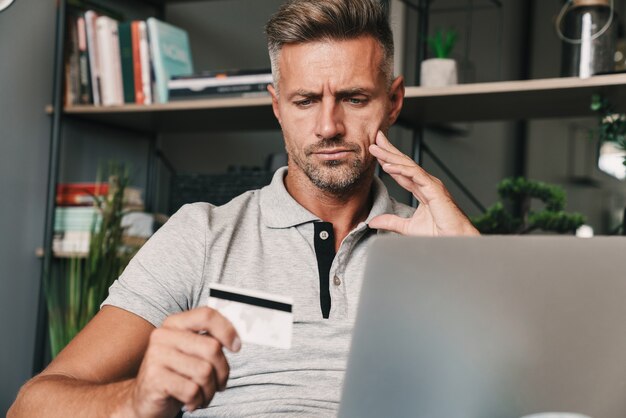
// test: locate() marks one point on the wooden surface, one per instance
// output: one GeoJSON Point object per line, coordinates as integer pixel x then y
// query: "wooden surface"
{"type": "Point", "coordinates": [214, 115]}
{"type": "Point", "coordinates": [509, 100]}
{"type": "Point", "coordinates": [545, 98]}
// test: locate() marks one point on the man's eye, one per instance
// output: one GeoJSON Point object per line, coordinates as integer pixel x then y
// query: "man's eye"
{"type": "Point", "coordinates": [356, 101]}
{"type": "Point", "coordinates": [304, 103]}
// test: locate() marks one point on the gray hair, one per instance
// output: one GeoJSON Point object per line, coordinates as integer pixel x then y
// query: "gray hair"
{"type": "Point", "coordinates": [301, 21]}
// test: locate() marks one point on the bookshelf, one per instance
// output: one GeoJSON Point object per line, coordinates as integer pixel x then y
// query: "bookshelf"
{"type": "Point", "coordinates": [527, 99]}
{"type": "Point", "coordinates": [547, 98]}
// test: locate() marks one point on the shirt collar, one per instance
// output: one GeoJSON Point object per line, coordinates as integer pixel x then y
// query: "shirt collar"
{"type": "Point", "coordinates": [280, 210]}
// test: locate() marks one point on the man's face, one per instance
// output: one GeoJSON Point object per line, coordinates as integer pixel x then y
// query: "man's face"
{"type": "Point", "coordinates": [333, 99]}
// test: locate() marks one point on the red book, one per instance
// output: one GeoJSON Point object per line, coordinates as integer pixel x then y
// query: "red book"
{"type": "Point", "coordinates": [79, 194]}
{"type": "Point", "coordinates": [134, 30]}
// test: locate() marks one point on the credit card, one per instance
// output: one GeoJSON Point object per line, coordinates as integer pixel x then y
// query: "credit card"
{"type": "Point", "coordinates": [259, 317]}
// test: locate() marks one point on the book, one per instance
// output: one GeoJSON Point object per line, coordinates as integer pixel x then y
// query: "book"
{"type": "Point", "coordinates": [76, 218]}
{"type": "Point", "coordinates": [109, 60]}
{"type": "Point", "coordinates": [92, 52]}
{"type": "Point", "coordinates": [137, 82]}
{"type": "Point", "coordinates": [85, 91]}
{"type": "Point", "coordinates": [72, 61]}
{"type": "Point", "coordinates": [225, 73]}
{"type": "Point", "coordinates": [207, 86]}
{"type": "Point", "coordinates": [202, 82]}
{"type": "Point", "coordinates": [244, 90]}
{"type": "Point", "coordinates": [71, 242]}
{"type": "Point", "coordinates": [171, 55]}
{"type": "Point", "coordinates": [126, 59]}
{"type": "Point", "coordinates": [79, 194]}
{"type": "Point", "coordinates": [141, 62]}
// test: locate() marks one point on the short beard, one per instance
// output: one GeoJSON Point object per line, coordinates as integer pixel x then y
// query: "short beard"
{"type": "Point", "coordinates": [344, 178]}
{"type": "Point", "coordinates": [333, 176]}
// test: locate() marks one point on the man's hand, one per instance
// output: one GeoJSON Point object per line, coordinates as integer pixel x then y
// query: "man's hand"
{"type": "Point", "coordinates": [436, 215]}
{"type": "Point", "coordinates": [184, 364]}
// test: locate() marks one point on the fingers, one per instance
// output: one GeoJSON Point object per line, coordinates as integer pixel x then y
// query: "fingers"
{"type": "Point", "coordinates": [182, 365]}
{"type": "Point", "coordinates": [184, 390]}
{"type": "Point", "coordinates": [387, 153]}
{"type": "Point", "coordinates": [415, 173]}
{"type": "Point", "coordinates": [406, 182]}
{"type": "Point", "coordinates": [388, 222]}
{"type": "Point", "coordinates": [210, 373]}
{"type": "Point", "coordinates": [390, 159]}
{"type": "Point", "coordinates": [437, 213]}
{"type": "Point", "coordinates": [384, 143]}
{"type": "Point", "coordinates": [206, 320]}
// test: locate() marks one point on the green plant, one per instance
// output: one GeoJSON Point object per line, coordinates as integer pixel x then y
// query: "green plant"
{"type": "Point", "coordinates": [442, 43]}
{"type": "Point", "coordinates": [519, 218]}
{"type": "Point", "coordinates": [611, 125]}
{"type": "Point", "coordinates": [76, 289]}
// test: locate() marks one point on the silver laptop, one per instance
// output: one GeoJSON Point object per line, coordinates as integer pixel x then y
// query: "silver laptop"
{"type": "Point", "coordinates": [490, 327]}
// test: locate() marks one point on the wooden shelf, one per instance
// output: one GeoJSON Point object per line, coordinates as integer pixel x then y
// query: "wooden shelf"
{"type": "Point", "coordinates": [530, 99]}
{"type": "Point", "coordinates": [213, 115]}
{"type": "Point", "coordinates": [510, 100]}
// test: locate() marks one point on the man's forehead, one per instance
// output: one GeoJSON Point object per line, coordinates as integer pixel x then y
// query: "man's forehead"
{"type": "Point", "coordinates": [363, 47]}
{"type": "Point", "coordinates": [350, 63]}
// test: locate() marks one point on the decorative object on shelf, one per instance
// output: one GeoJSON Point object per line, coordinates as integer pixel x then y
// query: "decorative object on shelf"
{"type": "Point", "coordinates": [588, 29]}
{"type": "Point", "coordinates": [74, 292]}
{"type": "Point", "coordinates": [620, 55]}
{"type": "Point", "coordinates": [441, 70]}
{"type": "Point", "coordinates": [515, 216]}
{"type": "Point", "coordinates": [611, 135]}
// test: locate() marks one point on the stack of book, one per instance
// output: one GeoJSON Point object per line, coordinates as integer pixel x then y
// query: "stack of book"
{"type": "Point", "coordinates": [110, 62]}
{"type": "Point", "coordinates": [219, 84]}
{"type": "Point", "coordinates": [76, 217]}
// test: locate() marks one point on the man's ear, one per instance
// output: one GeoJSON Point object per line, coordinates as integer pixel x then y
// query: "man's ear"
{"type": "Point", "coordinates": [396, 97]}
{"type": "Point", "coordinates": [275, 107]}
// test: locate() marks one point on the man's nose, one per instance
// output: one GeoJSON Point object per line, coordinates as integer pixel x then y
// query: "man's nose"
{"type": "Point", "coordinates": [329, 120]}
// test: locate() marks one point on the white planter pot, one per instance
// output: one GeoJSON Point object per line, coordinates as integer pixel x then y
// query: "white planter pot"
{"type": "Point", "coordinates": [439, 72]}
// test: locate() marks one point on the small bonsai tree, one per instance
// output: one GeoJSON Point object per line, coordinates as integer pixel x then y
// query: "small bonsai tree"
{"type": "Point", "coordinates": [442, 43]}
{"type": "Point", "coordinates": [515, 216]}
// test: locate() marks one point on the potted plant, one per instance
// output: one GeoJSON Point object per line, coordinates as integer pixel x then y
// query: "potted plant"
{"type": "Point", "coordinates": [441, 70]}
{"type": "Point", "coordinates": [515, 215]}
{"type": "Point", "coordinates": [79, 284]}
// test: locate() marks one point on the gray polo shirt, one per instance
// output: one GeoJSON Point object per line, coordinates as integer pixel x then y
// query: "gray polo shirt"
{"type": "Point", "coordinates": [262, 240]}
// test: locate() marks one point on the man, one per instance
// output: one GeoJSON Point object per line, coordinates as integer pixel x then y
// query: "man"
{"type": "Point", "coordinates": [154, 347]}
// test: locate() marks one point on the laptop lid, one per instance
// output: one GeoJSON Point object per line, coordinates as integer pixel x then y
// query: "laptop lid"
{"type": "Point", "coordinates": [490, 327]}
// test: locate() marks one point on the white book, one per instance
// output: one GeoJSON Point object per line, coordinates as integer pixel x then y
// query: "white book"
{"type": "Point", "coordinates": [117, 63]}
{"type": "Point", "coordinates": [74, 242]}
{"type": "Point", "coordinates": [144, 56]}
{"type": "Point", "coordinates": [92, 50]}
{"type": "Point", "coordinates": [200, 83]}
{"type": "Point", "coordinates": [111, 88]}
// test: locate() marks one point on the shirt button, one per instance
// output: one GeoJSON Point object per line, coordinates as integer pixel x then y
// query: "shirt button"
{"type": "Point", "coordinates": [324, 235]}
{"type": "Point", "coordinates": [336, 281]}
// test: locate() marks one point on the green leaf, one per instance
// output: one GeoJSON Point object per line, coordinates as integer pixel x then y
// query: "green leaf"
{"type": "Point", "coordinates": [75, 292]}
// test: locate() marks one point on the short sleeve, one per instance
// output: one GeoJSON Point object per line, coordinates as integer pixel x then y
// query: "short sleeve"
{"type": "Point", "coordinates": [160, 280]}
